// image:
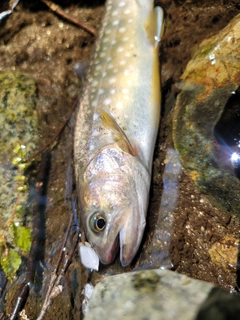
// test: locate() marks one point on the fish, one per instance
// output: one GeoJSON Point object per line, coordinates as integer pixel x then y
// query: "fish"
{"type": "Point", "coordinates": [116, 127]}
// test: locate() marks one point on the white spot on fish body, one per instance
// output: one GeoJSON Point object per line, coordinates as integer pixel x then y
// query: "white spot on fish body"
{"type": "Point", "coordinates": [102, 54]}
{"type": "Point", "coordinates": [105, 39]}
{"type": "Point", "coordinates": [127, 11]}
{"type": "Point", "coordinates": [120, 49]}
{"type": "Point", "coordinates": [112, 91]}
{"type": "Point", "coordinates": [101, 91]}
{"type": "Point", "coordinates": [109, 59]}
{"type": "Point", "coordinates": [95, 133]}
{"type": "Point", "coordinates": [122, 62]}
{"type": "Point", "coordinates": [107, 101]}
{"type": "Point", "coordinates": [122, 30]}
{"type": "Point", "coordinates": [105, 23]}
{"type": "Point", "coordinates": [94, 83]}
{"type": "Point", "coordinates": [115, 13]}
{"type": "Point", "coordinates": [112, 80]}
{"type": "Point", "coordinates": [94, 103]}
{"type": "Point", "coordinates": [95, 116]}
{"type": "Point", "coordinates": [119, 105]}
{"type": "Point", "coordinates": [115, 22]}
{"type": "Point", "coordinates": [121, 4]}
{"type": "Point", "coordinates": [104, 73]}
{"type": "Point", "coordinates": [125, 90]}
{"type": "Point", "coordinates": [98, 67]}
{"type": "Point", "coordinates": [125, 38]}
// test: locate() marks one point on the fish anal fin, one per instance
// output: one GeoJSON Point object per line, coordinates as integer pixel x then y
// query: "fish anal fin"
{"type": "Point", "coordinates": [109, 123]}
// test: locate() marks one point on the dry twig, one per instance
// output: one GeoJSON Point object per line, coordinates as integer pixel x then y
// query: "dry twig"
{"type": "Point", "coordinates": [58, 10]}
{"type": "Point", "coordinates": [54, 287]}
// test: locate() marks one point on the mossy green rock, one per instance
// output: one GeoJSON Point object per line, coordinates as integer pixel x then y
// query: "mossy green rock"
{"type": "Point", "coordinates": [19, 139]}
{"type": "Point", "coordinates": [210, 81]}
{"type": "Point", "coordinates": [18, 115]}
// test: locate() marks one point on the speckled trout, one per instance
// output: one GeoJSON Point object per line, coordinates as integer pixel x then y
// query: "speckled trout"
{"type": "Point", "coordinates": [116, 127]}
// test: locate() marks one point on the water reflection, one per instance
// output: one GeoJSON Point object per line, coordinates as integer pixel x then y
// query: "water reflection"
{"type": "Point", "coordinates": [158, 253]}
{"type": "Point", "coordinates": [227, 133]}
{"type": "Point", "coordinates": [168, 204]}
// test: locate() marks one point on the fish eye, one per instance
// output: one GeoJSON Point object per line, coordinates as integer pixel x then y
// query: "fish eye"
{"type": "Point", "coordinates": [98, 222]}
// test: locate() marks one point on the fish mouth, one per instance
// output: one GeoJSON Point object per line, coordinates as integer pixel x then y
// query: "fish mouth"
{"type": "Point", "coordinates": [128, 238]}
{"type": "Point", "coordinates": [108, 253]}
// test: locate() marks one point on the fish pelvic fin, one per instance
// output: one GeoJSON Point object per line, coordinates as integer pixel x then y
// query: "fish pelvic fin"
{"type": "Point", "coordinates": [119, 136]}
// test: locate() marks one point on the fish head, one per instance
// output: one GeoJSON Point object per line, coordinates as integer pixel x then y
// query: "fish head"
{"type": "Point", "coordinates": [113, 214]}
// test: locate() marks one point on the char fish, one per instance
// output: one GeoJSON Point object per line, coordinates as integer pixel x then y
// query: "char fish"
{"type": "Point", "coordinates": [116, 127]}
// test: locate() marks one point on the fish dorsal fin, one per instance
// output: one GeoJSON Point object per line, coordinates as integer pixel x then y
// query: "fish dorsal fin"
{"type": "Point", "coordinates": [119, 136]}
{"type": "Point", "coordinates": [154, 26]}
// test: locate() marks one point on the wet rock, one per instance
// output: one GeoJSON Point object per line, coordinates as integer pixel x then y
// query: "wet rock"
{"type": "Point", "coordinates": [152, 294]}
{"type": "Point", "coordinates": [220, 305]}
{"type": "Point", "coordinates": [19, 139]}
{"type": "Point", "coordinates": [206, 121]}
{"type": "Point", "coordinates": [225, 253]}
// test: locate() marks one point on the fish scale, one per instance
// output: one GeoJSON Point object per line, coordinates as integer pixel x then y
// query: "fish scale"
{"type": "Point", "coordinates": [116, 127]}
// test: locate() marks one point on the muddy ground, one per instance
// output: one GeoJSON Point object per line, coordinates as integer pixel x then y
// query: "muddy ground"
{"type": "Point", "coordinates": [39, 42]}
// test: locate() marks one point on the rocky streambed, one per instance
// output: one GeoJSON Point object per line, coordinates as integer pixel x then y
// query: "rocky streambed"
{"type": "Point", "coordinates": [193, 219]}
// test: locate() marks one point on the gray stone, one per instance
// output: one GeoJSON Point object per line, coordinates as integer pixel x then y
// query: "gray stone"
{"type": "Point", "coordinates": [147, 295]}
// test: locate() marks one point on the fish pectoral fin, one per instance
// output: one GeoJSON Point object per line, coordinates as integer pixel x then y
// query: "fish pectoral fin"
{"type": "Point", "coordinates": [119, 136]}
{"type": "Point", "coordinates": [154, 26]}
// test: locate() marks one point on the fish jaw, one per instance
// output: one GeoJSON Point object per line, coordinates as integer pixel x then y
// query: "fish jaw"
{"type": "Point", "coordinates": [108, 252]}
{"type": "Point", "coordinates": [130, 240]}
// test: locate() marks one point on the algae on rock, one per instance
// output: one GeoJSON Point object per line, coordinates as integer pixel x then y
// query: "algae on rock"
{"type": "Point", "coordinates": [19, 139]}
{"type": "Point", "coordinates": [211, 78]}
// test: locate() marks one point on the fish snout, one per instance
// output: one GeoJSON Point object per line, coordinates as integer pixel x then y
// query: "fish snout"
{"type": "Point", "coordinates": [130, 240]}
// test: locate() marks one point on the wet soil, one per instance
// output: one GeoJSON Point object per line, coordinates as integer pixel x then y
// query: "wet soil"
{"type": "Point", "coordinates": [39, 42]}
